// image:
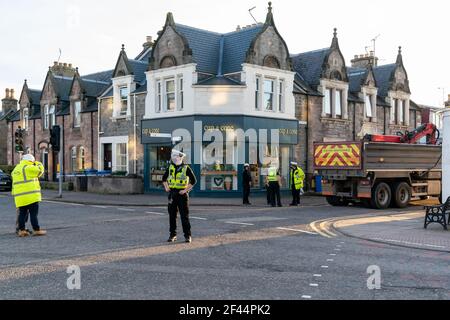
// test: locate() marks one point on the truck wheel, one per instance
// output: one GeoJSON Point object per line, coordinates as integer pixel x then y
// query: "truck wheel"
{"type": "Point", "coordinates": [401, 192]}
{"type": "Point", "coordinates": [337, 202]}
{"type": "Point", "coordinates": [381, 196]}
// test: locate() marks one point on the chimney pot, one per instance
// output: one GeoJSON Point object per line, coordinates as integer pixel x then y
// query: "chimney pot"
{"type": "Point", "coordinates": [65, 65]}
{"type": "Point", "coordinates": [7, 93]}
{"type": "Point", "coordinates": [356, 56]}
{"type": "Point", "coordinates": [55, 63]}
{"type": "Point", "coordinates": [449, 97]}
{"type": "Point", "coordinates": [11, 94]}
{"type": "Point", "coordinates": [238, 28]}
{"type": "Point", "coordinates": [149, 39]}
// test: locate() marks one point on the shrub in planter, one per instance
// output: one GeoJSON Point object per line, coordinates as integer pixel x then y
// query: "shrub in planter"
{"type": "Point", "coordinates": [119, 174]}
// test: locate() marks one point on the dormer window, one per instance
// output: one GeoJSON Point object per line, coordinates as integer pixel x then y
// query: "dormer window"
{"type": "Point", "coordinates": [26, 116]}
{"type": "Point", "coordinates": [52, 114]}
{"type": "Point", "coordinates": [123, 100]}
{"type": "Point", "coordinates": [338, 103]}
{"type": "Point", "coordinates": [368, 105]}
{"type": "Point", "coordinates": [46, 117]}
{"type": "Point", "coordinates": [77, 114]}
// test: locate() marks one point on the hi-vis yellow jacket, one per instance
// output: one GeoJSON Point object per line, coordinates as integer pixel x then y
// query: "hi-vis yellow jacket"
{"type": "Point", "coordinates": [26, 187]}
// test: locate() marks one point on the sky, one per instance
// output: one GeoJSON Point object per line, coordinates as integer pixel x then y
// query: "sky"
{"type": "Point", "coordinates": [90, 33]}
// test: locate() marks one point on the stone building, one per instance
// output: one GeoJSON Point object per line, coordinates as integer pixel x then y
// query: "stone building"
{"type": "Point", "coordinates": [9, 112]}
{"type": "Point", "coordinates": [70, 101]}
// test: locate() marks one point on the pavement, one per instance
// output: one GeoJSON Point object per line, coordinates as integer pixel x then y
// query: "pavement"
{"type": "Point", "coordinates": [159, 200]}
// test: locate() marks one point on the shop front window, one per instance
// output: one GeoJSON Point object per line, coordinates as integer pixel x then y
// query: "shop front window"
{"type": "Point", "coordinates": [219, 169]}
{"type": "Point", "coordinates": [159, 161]}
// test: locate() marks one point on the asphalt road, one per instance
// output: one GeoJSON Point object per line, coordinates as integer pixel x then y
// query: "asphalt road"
{"type": "Point", "coordinates": [237, 253]}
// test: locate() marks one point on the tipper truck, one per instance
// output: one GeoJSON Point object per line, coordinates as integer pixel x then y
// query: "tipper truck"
{"type": "Point", "coordinates": [380, 174]}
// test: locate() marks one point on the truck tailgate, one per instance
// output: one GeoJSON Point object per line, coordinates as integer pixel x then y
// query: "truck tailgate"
{"type": "Point", "coordinates": [339, 155]}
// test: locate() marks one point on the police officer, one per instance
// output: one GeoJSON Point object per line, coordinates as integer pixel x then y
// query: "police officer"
{"type": "Point", "coordinates": [274, 183]}
{"type": "Point", "coordinates": [178, 181]}
{"type": "Point", "coordinates": [297, 176]}
{"type": "Point", "coordinates": [246, 184]}
{"type": "Point", "coordinates": [27, 193]}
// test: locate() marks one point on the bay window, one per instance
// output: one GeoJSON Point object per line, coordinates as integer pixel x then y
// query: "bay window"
{"type": "Point", "coordinates": [269, 86]}
{"type": "Point", "coordinates": [170, 95]}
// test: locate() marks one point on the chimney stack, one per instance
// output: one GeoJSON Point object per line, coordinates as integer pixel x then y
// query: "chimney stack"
{"type": "Point", "coordinates": [364, 60]}
{"type": "Point", "coordinates": [63, 69]}
{"type": "Point", "coordinates": [9, 102]}
{"type": "Point", "coordinates": [148, 42]}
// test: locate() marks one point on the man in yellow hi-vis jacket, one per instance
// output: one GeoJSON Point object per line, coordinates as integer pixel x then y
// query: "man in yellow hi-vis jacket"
{"type": "Point", "coordinates": [27, 193]}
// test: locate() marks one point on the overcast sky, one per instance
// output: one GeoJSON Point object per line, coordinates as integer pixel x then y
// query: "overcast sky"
{"type": "Point", "coordinates": [90, 33]}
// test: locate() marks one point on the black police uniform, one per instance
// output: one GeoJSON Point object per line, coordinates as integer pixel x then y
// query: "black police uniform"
{"type": "Point", "coordinates": [178, 202]}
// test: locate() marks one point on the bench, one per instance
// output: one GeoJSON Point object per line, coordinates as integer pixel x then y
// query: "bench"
{"type": "Point", "coordinates": [436, 214]}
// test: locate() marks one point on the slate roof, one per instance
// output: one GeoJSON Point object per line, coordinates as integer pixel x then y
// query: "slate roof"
{"type": "Point", "coordinates": [103, 76]}
{"type": "Point", "coordinates": [382, 102]}
{"type": "Point", "coordinates": [36, 112]}
{"type": "Point", "coordinates": [383, 77]}
{"type": "Point", "coordinates": [35, 96]}
{"type": "Point", "coordinates": [109, 93]}
{"type": "Point", "coordinates": [144, 55]}
{"type": "Point", "coordinates": [139, 69]}
{"type": "Point", "coordinates": [62, 87]}
{"type": "Point", "coordinates": [93, 88]}
{"type": "Point", "coordinates": [236, 46]}
{"type": "Point", "coordinates": [142, 88]}
{"type": "Point", "coordinates": [309, 65]}
{"type": "Point", "coordinates": [216, 53]}
{"type": "Point", "coordinates": [64, 109]}
{"type": "Point", "coordinates": [219, 81]}
{"type": "Point", "coordinates": [356, 80]}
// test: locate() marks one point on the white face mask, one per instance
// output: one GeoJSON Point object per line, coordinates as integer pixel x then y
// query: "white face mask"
{"type": "Point", "coordinates": [178, 161]}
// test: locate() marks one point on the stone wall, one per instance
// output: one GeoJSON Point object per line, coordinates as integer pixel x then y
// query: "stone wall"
{"type": "Point", "coordinates": [115, 185]}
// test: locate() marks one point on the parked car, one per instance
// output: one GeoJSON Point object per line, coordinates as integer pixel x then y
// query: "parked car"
{"type": "Point", "coordinates": [5, 181]}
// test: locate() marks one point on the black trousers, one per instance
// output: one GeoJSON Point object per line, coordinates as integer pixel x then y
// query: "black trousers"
{"type": "Point", "coordinates": [275, 196]}
{"type": "Point", "coordinates": [295, 196]}
{"type": "Point", "coordinates": [33, 210]}
{"type": "Point", "coordinates": [179, 203]}
{"type": "Point", "coordinates": [246, 194]}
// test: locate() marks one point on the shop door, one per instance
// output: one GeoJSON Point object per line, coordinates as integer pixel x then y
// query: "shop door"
{"type": "Point", "coordinates": [107, 157]}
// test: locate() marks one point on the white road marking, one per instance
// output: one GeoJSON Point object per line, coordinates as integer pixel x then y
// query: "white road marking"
{"type": "Point", "coordinates": [198, 218]}
{"type": "Point", "coordinates": [339, 246]}
{"type": "Point", "coordinates": [330, 260]}
{"type": "Point", "coordinates": [337, 249]}
{"type": "Point", "coordinates": [317, 276]}
{"type": "Point", "coordinates": [306, 297]}
{"type": "Point", "coordinates": [100, 207]}
{"type": "Point", "coordinates": [156, 213]}
{"type": "Point", "coordinates": [239, 223]}
{"type": "Point", "coordinates": [324, 267]}
{"type": "Point", "coordinates": [313, 285]}
{"type": "Point", "coordinates": [333, 254]}
{"type": "Point", "coordinates": [126, 209]}
{"type": "Point", "coordinates": [296, 230]}
{"type": "Point", "coordinates": [64, 203]}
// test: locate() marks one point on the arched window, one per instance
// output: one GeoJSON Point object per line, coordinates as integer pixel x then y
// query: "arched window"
{"type": "Point", "coordinates": [82, 159]}
{"type": "Point", "coordinates": [73, 159]}
{"type": "Point", "coordinates": [167, 62]}
{"type": "Point", "coordinates": [336, 75]}
{"type": "Point", "coordinates": [271, 62]}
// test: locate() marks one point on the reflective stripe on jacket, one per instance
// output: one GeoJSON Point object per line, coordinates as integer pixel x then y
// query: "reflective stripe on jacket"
{"type": "Point", "coordinates": [26, 186]}
{"type": "Point", "coordinates": [178, 180]}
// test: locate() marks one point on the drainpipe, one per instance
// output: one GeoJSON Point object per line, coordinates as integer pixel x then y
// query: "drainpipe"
{"type": "Point", "coordinates": [99, 165]}
{"type": "Point", "coordinates": [135, 135]}
{"type": "Point", "coordinates": [307, 135]}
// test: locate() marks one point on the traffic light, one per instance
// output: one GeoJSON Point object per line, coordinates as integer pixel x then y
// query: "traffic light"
{"type": "Point", "coordinates": [55, 138]}
{"type": "Point", "coordinates": [19, 140]}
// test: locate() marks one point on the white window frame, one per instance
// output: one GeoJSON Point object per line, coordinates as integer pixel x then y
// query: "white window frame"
{"type": "Point", "coordinates": [368, 106]}
{"type": "Point", "coordinates": [180, 97]}
{"type": "Point", "coordinates": [123, 101]}
{"type": "Point", "coordinates": [338, 103]}
{"type": "Point", "coordinates": [73, 160]}
{"type": "Point", "coordinates": [52, 116]}
{"type": "Point", "coordinates": [281, 95]}
{"type": "Point", "coordinates": [159, 98]}
{"type": "Point", "coordinates": [401, 112]}
{"type": "Point", "coordinates": [123, 167]}
{"type": "Point", "coordinates": [26, 117]}
{"type": "Point", "coordinates": [271, 93]}
{"type": "Point", "coordinates": [46, 117]}
{"type": "Point", "coordinates": [81, 158]}
{"type": "Point", "coordinates": [77, 114]}
{"type": "Point", "coordinates": [167, 93]}
{"type": "Point", "coordinates": [258, 93]}
{"type": "Point", "coordinates": [327, 103]}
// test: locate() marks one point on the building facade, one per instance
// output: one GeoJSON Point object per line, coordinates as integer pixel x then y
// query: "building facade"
{"type": "Point", "coordinates": [9, 110]}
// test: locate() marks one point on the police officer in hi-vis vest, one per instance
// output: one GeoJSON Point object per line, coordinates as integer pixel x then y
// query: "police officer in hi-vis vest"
{"type": "Point", "coordinates": [297, 176]}
{"type": "Point", "coordinates": [274, 183]}
{"type": "Point", "coordinates": [27, 193]}
{"type": "Point", "coordinates": [178, 181]}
